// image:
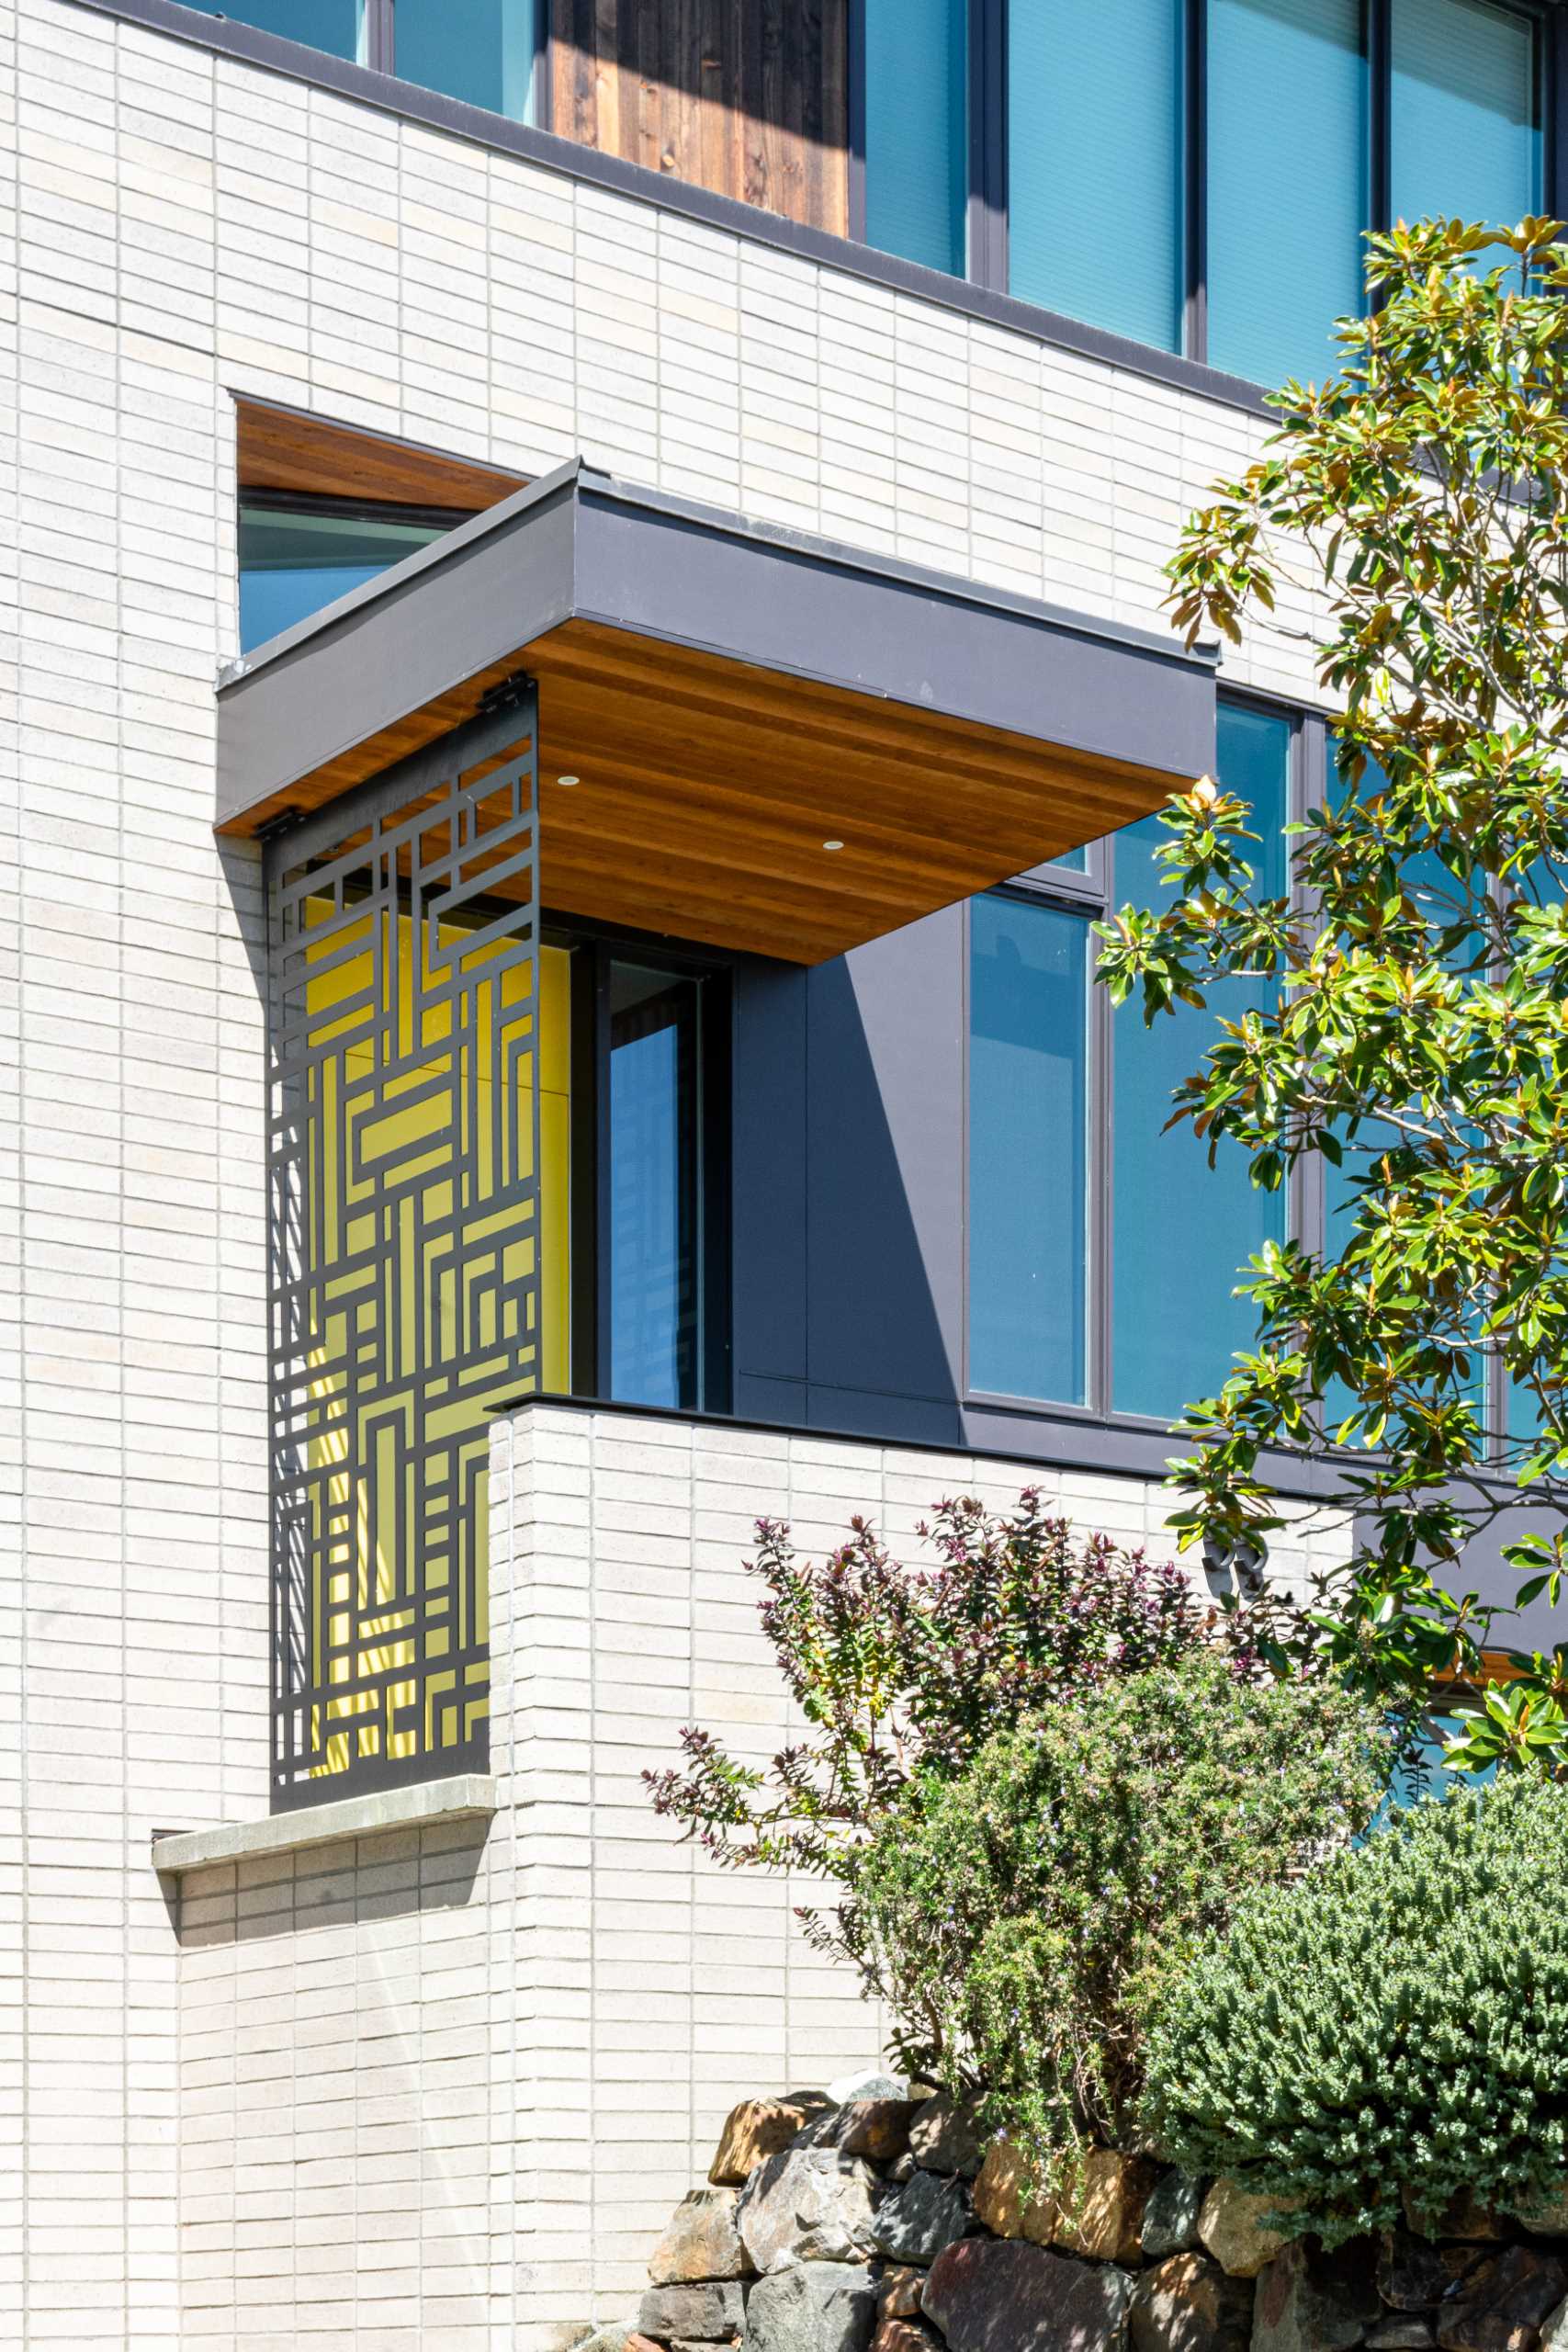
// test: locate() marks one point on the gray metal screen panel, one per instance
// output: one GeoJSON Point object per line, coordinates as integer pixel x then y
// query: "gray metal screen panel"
{"type": "Point", "coordinates": [404, 1247]}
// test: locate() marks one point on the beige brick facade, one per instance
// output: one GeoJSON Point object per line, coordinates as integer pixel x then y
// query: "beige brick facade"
{"type": "Point", "coordinates": [179, 228]}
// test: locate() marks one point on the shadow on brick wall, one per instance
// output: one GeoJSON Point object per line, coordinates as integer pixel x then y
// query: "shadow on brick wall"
{"type": "Point", "coordinates": [404, 1873]}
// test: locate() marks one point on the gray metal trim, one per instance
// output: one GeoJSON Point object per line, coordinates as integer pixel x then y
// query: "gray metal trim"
{"type": "Point", "coordinates": [550, 152]}
{"type": "Point", "coordinates": [579, 544]}
{"type": "Point", "coordinates": [1026, 1434]}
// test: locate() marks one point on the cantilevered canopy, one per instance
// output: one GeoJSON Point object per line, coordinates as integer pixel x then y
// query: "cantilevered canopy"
{"type": "Point", "coordinates": [730, 698]}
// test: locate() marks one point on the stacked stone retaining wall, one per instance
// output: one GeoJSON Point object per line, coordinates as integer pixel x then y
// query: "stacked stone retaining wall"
{"type": "Point", "coordinates": [880, 2222]}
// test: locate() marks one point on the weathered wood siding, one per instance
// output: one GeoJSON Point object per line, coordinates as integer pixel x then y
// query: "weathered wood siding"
{"type": "Point", "coordinates": [747, 97]}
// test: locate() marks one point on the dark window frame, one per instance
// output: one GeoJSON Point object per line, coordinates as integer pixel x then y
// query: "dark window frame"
{"type": "Point", "coordinates": [592, 951]}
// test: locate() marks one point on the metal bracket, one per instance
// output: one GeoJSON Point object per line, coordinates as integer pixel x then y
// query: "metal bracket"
{"type": "Point", "coordinates": [507, 694]}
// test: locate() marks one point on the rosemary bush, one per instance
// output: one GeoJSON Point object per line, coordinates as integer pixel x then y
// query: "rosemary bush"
{"type": "Point", "coordinates": [1399, 2019]}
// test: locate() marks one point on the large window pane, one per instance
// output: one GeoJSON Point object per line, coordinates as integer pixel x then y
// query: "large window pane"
{"type": "Point", "coordinates": [1287, 183]}
{"type": "Point", "coordinates": [1465, 135]}
{"type": "Point", "coordinates": [654, 1181]}
{"type": "Point", "coordinates": [916, 149]}
{"type": "Point", "coordinates": [1028, 1015]}
{"type": "Point", "coordinates": [481, 51]}
{"type": "Point", "coordinates": [292, 563]}
{"type": "Point", "coordinates": [1182, 1231]}
{"type": "Point", "coordinates": [332, 25]}
{"type": "Point", "coordinates": [1094, 163]}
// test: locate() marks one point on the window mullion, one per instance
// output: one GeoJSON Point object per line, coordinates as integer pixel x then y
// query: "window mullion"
{"type": "Point", "coordinates": [1380, 89]}
{"type": "Point", "coordinates": [1098, 1241]}
{"type": "Point", "coordinates": [379, 47]}
{"type": "Point", "coordinates": [988, 145]}
{"type": "Point", "coordinates": [1195, 119]}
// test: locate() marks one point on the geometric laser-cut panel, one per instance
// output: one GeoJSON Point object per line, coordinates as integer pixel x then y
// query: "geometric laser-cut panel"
{"type": "Point", "coordinates": [404, 1247]}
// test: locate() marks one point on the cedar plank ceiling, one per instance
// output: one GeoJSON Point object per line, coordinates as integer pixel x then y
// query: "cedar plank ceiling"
{"type": "Point", "coordinates": [708, 788]}
{"type": "Point", "coordinates": [284, 449]}
{"type": "Point", "coordinates": [747, 97]}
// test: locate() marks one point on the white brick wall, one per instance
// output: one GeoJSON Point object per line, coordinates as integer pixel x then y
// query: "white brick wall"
{"type": "Point", "coordinates": [177, 228]}
{"type": "Point", "coordinates": [440, 2092]}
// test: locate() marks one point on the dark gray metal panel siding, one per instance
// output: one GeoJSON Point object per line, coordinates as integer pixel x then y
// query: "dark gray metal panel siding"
{"type": "Point", "coordinates": [465, 602]}
{"type": "Point", "coordinates": [768, 1214]}
{"type": "Point", "coordinates": [1122, 694]}
{"type": "Point", "coordinates": [885, 1158]}
{"type": "Point", "coordinates": [848, 1174]}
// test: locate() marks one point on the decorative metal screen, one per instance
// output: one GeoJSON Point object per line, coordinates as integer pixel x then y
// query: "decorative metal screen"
{"type": "Point", "coordinates": [404, 1247]}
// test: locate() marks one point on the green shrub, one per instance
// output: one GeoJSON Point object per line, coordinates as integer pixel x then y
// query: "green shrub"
{"type": "Point", "coordinates": [900, 1670]}
{"type": "Point", "coordinates": [1398, 2019]}
{"type": "Point", "coordinates": [1023, 1913]}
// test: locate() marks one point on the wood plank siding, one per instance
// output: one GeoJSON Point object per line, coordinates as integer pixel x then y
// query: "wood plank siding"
{"type": "Point", "coordinates": [747, 97]}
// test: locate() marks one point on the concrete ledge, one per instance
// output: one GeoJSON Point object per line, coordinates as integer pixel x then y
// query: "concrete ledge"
{"type": "Point", "coordinates": [467, 1796]}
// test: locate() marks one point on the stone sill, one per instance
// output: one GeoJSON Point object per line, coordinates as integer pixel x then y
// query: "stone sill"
{"type": "Point", "coordinates": [466, 1796]}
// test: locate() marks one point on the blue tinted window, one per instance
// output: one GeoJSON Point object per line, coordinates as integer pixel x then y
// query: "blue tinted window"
{"type": "Point", "coordinates": [1285, 213]}
{"type": "Point", "coordinates": [293, 563]}
{"type": "Point", "coordinates": [1094, 163]}
{"type": "Point", "coordinates": [332, 25]}
{"type": "Point", "coordinates": [481, 51]}
{"type": "Point", "coordinates": [1182, 1231]}
{"type": "Point", "coordinates": [916, 148]}
{"type": "Point", "coordinates": [1465, 131]}
{"type": "Point", "coordinates": [653, 1187]}
{"type": "Point", "coordinates": [1028, 1015]}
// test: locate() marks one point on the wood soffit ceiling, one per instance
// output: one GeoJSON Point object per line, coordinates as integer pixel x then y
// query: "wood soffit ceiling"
{"type": "Point", "coordinates": [708, 782]}
{"type": "Point", "coordinates": [283, 449]}
{"type": "Point", "coordinates": [708, 787]}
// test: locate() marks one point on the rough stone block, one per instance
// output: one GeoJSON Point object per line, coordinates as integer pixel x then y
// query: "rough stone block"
{"type": "Point", "coordinates": [1231, 2226]}
{"type": "Point", "coordinates": [1104, 2217]}
{"type": "Point", "coordinates": [900, 2290]}
{"type": "Point", "coordinates": [987, 2297]}
{"type": "Point", "coordinates": [757, 2128]}
{"type": "Point", "coordinates": [1548, 2215]}
{"type": "Point", "coordinates": [808, 2205]}
{"type": "Point", "coordinates": [913, 2224]}
{"type": "Point", "coordinates": [1188, 2304]}
{"type": "Point", "coordinates": [701, 2242]}
{"type": "Point", "coordinates": [945, 2135]}
{"type": "Point", "coordinates": [877, 2129]}
{"type": "Point", "coordinates": [709, 2315]}
{"type": "Point", "coordinates": [813, 2307]}
{"type": "Point", "coordinates": [903, 2335]}
{"type": "Point", "coordinates": [1415, 2274]}
{"type": "Point", "coordinates": [1312, 2301]}
{"type": "Point", "coordinates": [1170, 2217]}
{"type": "Point", "coordinates": [1505, 2302]}
{"type": "Point", "coordinates": [1005, 2200]}
{"type": "Point", "coordinates": [1463, 2216]}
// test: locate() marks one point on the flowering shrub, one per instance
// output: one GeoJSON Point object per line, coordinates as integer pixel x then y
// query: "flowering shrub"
{"type": "Point", "coordinates": [902, 1671]}
{"type": "Point", "coordinates": [1023, 1913]}
{"type": "Point", "coordinates": [1398, 2020]}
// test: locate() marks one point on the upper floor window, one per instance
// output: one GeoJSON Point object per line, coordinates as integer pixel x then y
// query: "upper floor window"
{"type": "Point", "coordinates": [1103, 1249]}
{"type": "Point", "coordinates": [479, 51]}
{"type": "Point", "coordinates": [1196, 174]}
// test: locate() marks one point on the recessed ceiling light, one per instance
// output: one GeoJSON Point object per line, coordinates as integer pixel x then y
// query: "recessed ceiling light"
{"type": "Point", "coordinates": [568, 779]}
{"type": "Point", "coordinates": [833, 844]}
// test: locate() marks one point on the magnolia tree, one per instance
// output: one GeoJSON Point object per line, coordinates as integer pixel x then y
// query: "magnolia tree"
{"type": "Point", "coordinates": [1415, 1038]}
